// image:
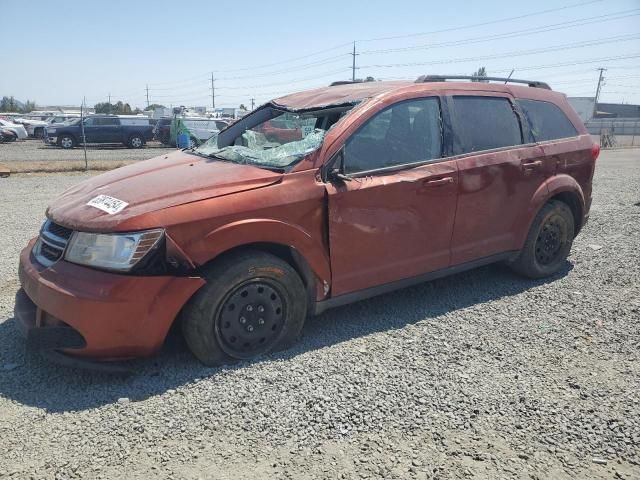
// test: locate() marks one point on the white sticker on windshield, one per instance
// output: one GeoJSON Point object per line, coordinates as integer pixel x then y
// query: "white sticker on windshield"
{"type": "Point", "coordinates": [107, 204]}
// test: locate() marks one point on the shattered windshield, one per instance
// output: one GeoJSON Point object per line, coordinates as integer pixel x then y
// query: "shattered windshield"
{"type": "Point", "coordinates": [279, 142]}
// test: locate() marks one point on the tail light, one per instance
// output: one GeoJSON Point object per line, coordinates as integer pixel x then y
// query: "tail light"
{"type": "Point", "coordinates": [595, 151]}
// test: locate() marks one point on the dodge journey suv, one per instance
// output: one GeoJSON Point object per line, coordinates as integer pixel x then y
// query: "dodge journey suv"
{"type": "Point", "coordinates": [380, 185]}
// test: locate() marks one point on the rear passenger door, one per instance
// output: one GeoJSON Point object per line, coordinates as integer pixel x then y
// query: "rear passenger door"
{"type": "Point", "coordinates": [110, 130]}
{"type": "Point", "coordinates": [500, 168]}
{"type": "Point", "coordinates": [559, 139]}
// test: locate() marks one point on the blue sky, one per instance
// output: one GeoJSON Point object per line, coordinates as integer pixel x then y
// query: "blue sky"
{"type": "Point", "coordinates": [55, 54]}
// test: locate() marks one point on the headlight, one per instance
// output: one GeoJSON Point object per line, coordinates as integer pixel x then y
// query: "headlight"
{"type": "Point", "coordinates": [111, 251]}
{"type": "Point", "coordinates": [51, 130]}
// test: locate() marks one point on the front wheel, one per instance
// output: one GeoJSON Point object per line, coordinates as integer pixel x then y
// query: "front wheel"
{"type": "Point", "coordinates": [252, 303]}
{"type": "Point", "coordinates": [548, 243]}
{"type": "Point", "coordinates": [66, 141]}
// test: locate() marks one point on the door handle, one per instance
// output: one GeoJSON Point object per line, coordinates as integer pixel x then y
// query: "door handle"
{"type": "Point", "coordinates": [532, 165]}
{"type": "Point", "coordinates": [439, 182]}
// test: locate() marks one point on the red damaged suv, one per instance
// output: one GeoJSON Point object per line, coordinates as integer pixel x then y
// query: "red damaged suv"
{"type": "Point", "coordinates": [240, 239]}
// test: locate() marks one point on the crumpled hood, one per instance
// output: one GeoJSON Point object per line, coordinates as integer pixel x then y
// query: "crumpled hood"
{"type": "Point", "coordinates": [152, 185]}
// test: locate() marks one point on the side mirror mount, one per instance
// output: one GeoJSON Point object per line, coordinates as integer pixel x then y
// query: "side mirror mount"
{"type": "Point", "coordinates": [334, 169]}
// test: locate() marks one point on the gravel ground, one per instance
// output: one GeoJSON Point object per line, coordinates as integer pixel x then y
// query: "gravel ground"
{"type": "Point", "coordinates": [37, 151]}
{"type": "Point", "coordinates": [480, 375]}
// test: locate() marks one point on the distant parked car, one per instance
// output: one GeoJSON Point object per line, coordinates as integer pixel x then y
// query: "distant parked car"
{"type": "Point", "coordinates": [19, 130]}
{"type": "Point", "coordinates": [7, 136]}
{"type": "Point", "coordinates": [130, 130]}
{"type": "Point", "coordinates": [162, 131]}
{"type": "Point", "coordinates": [198, 129]}
{"type": "Point", "coordinates": [35, 124]}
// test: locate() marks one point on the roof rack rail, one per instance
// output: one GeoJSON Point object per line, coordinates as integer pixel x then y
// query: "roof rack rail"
{"type": "Point", "coordinates": [344, 82]}
{"type": "Point", "coordinates": [443, 78]}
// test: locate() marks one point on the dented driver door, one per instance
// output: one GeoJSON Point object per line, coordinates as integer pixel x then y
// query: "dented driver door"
{"type": "Point", "coordinates": [385, 228]}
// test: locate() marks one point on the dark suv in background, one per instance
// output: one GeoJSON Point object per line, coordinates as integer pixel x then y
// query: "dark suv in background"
{"type": "Point", "coordinates": [130, 130]}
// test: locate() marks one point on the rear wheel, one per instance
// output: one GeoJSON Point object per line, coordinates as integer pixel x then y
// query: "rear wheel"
{"type": "Point", "coordinates": [135, 141]}
{"type": "Point", "coordinates": [67, 141]}
{"type": "Point", "coordinates": [252, 303]}
{"type": "Point", "coordinates": [548, 243]}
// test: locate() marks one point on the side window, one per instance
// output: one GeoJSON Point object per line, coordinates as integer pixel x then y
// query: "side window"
{"type": "Point", "coordinates": [406, 132]}
{"type": "Point", "coordinates": [90, 122]}
{"type": "Point", "coordinates": [107, 121]}
{"type": "Point", "coordinates": [547, 121]}
{"type": "Point", "coordinates": [483, 123]}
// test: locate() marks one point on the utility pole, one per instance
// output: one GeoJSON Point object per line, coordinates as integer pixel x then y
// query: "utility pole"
{"type": "Point", "coordinates": [83, 107]}
{"type": "Point", "coordinates": [147, 95]}
{"type": "Point", "coordinates": [595, 100]}
{"type": "Point", "coordinates": [353, 65]}
{"type": "Point", "coordinates": [109, 102]}
{"type": "Point", "coordinates": [213, 93]}
{"type": "Point", "coordinates": [253, 102]}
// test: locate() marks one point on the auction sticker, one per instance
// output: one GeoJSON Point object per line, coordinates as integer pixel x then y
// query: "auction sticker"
{"type": "Point", "coordinates": [107, 204]}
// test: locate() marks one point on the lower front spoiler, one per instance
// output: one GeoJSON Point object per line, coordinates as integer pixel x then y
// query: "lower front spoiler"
{"type": "Point", "coordinates": [50, 339]}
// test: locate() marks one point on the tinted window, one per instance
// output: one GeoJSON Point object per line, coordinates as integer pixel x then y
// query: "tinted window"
{"type": "Point", "coordinates": [406, 132]}
{"type": "Point", "coordinates": [107, 121]}
{"type": "Point", "coordinates": [483, 123]}
{"type": "Point", "coordinates": [547, 121]}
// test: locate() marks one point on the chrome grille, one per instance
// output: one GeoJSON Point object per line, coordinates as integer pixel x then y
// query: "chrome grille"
{"type": "Point", "coordinates": [52, 243]}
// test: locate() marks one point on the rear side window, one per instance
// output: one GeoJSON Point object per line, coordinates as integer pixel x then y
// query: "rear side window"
{"type": "Point", "coordinates": [407, 132]}
{"type": "Point", "coordinates": [484, 123]}
{"type": "Point", "coordinates": [105, 121]}
{"type": "Point", "coordinates": [547, 121]}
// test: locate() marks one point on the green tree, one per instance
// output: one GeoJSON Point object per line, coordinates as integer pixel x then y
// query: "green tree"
{"type": "Point", "coordinates": [104, 107]}
{"type": "Point", "coordinates": [4, 104]}
{"type": "Point", "coordinates": [8, 104]}
{"type": "Point", "coordinates": [153, 106]}
{"type": "Point", "coordinates": [28, 106]}
{"type": "Point", "coordinates": [479, 74]}
{"type": "Point", "coordinates": [117, 108]}
{"type": "Point", "coordinates": [242, 107]}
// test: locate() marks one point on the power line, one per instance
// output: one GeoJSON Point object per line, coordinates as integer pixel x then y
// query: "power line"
{"type": "Point", "coordinates": [342, 45]}
{"type": "Point", "coordinates": [517, 53]}
{"type": "Point", "coordinates": [482, 24]}
{"type": "Point", "coordinates": [515, 33]}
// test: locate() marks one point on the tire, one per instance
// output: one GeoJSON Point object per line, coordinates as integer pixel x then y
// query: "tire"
{"type": "Point", "coordinates": [135, 141]}
{"type": "Point", "coordinates": [66, 141]}
{"type": "Point", "coordinates": [548, 243]}
{"type": "Point", "coordinates": [253, 302]}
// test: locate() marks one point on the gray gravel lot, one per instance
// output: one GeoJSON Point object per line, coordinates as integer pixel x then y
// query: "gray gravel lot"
{"type": "Point", "coordinates": [480, 375]}
{"type": "Point", "coordinates": [37, 151]}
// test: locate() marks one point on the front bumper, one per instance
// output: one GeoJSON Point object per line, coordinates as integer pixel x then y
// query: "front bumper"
{"type": "Point", "coordinates": [51, 140]}
{"type": "Point", "coordinates": [95, 314]}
